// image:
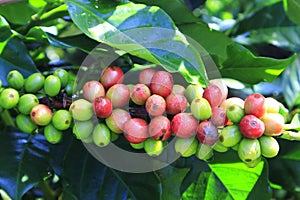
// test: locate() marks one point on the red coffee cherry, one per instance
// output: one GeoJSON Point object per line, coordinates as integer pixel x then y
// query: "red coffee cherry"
{"type": "Point", "coordinates": [254, 105]}
{"type": "Point", "coordinates": [251, 127]}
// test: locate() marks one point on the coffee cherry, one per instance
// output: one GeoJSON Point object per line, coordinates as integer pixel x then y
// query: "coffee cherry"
{"type": "Point", "coordinates": [176, 103]}
{"type": "Point", "coordinates": [136, 130]}
{"type": "Point", "coordinates": [178, 89]}
{"type": "Point", "coordinates": [207, 133]}
{"type": "Point", "coordinates": [251, 127]}
{"type": "Point", "coordinates": [140, 93]}
{"type": "Point", "coordinates": [219, 147]}
{"type": "Point", "coordinates": [93, 89]}
{"type": "Point", "coordinates": [25, 124]}
{"type": "Point", "coordinates": [155, 105]}
{"type": "Point", "coordinates": [52, 135]}
{"type": "Point", "coordinates": [249, 150]}
{"type": "Point", "coordinates": [223, 87]}
{"type": "Point", "coordinates": [34, 83]}
{"type": "Point", "coordinates": [235, 113]}
{"type": "Point", "coordinates": [26, 103]}
{"type": "Point", "coordinates": [184, 125]}
{"type": "Point", "coordinates": [52, 86]}
{"type": "Point", "coordinates": [62, 119]}
{"type": "Point", "coordinates": [138, 145]}
{"type": "Point", "coordinates": [153, 147]}
{"type": "Point", "coordinates": [232, 101]}
{"type": "Point", "coordinates": [204, 152]}
{"type": "Point", "coordinates": [230, 136]}
{"type": "Point", "coordinates": [119, 95]}
{"type": "Point", "coordinates": [41, 115]}
{"type": "Point", "coordinates": [271, 105]}
{"type": "Point", "coordinates": [9, 98]}
{"type": "Point", "coordinates": [83, 129]}
{"type": "Point", "coordinates": [193, 91]}
{"type": "Point", "coordinates": [254, 105]}
{"type": "Point", "coordinates": [63, 76]}
{"type": "Point", "coordinates": [70, 87]}
{"type": "Point", "coordinates": [186, 146]}
{"type": "Point", "coordinates": [201, 109]}
{"type": "Point", "coordinates": [81, 110]}
{"type": "Point", "coordinates": [160, 128]}
{"type": "Point", "coordinates": [218, 117]}
{"type": "Point", "coordinates": [213, 94]}
{"type": "Point", "coordinates": [269, 146]}
{"type": "Point", "coordinates": [102, 107]}
{"type": "Point", "coordinates": [101, 135]}
{"type": "Point", "coordinates": [117, 119]}
{"type": "Point", "coordinates": [274, 123]}
{"type": "Point", "coordinates": [15, 79]}
{"type": "Point", "coordinates": [162, 83]}
{"type": "Point", "coordinates": [146, 75]}
{"type": "Point", "coordinates": [111, 75]}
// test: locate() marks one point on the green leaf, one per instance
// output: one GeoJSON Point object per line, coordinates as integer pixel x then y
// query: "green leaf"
{"type": "Point", "coordinates": [155, 38]}
{"type": "Point", "coordinates": [267, 17]}
{"type": "Point", "coordinates": [246, 67]}
{"type": "Point", "coordinates": [292, 8]}
{"type": "Point", "coordinates": [5, 31]}
{"type": "Point", "coordinates": [291, 84]}
{"type": "Point", "coordinates": [10, 12]}
{"type": "Point", "coordinates": [237, 178]}
{"type": "Point", "coordinates": [283, 37]}
{"type": "Point", "coordinates": [15, 56]}
{"type": "Point", "coordinates": [24, 161]}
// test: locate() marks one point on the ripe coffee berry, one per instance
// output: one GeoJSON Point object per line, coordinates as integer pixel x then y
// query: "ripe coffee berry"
{"type": "Point", "coordinates": [218, 117]}
{"type": "Point", "coordinates": [222, 86]}
{"type": "Point", "coordinates": [155, 105]}
{"type": "Point", "coordinates": [274, 123]}
{"type": "Point", "coordinates": [251, 127]}
{"type": "Point", "coordinates": [41, 115]}
{"type": "Point", "coordinates": [162, 83]}
{"type": "Point", "coordinates": [117, 119]}
{"type": "Point", "coordinates": [213, 94]}
{"type": "Point", "coordinates": [146, 75]}
{"type": "Point", "coordinates": [119, 95]}
{"type": "Point", "coordinates": [207, 133]}
{"type": "Point", "coordinates": [93, 89]}
{"type": "Point", "coordinates": [254, 105]}
{"type": "Point", "coordinates": [160, 128]}
{"type": "Point", "coordinates": [178, 89]}
{"type": "Point", "coordinates": [136, 130]}
{"type": "Point", "coordinates": [102, 107]}
{"type": "Point", "coordinates": [111, 75]}
{"type": "Point", "coordinates": [140, 93]}
{"type": "Point", "coordinates": [184, 125]}
{"type": "Point", "coordinates": [176, 103]}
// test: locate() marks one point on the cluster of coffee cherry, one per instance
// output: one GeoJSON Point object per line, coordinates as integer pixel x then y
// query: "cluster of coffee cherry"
{"type": "Point", "coordinates": [149, 114]}
{"type": "Point", "coordinates": [40, 102]}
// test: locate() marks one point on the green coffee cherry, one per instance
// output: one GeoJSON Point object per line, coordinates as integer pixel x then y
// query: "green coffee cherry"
{"type": "Point", "coordinates": [201, 108]}
{"type": "Point", "coordinates": [62, 120]}
{"type": "Point", "coordinates": [153, 147]}
{"type": "Point", "coordinates": [25, 124]}
{"type": "Point", "coordinates": [9, 98]}
{"type": "Point", "coordinates": [137, 146]}
{"type": "Point", "coordinates": [26, 103]}
{"type": "Point", "coordinates": [219, 147]}
{"type": "Point", "coordinates": [81, 110]}
{"type": "Point", "coordinates": [70, 87]}
{"type": "Point", "coordinates": [186, 146]}
{"type": "Point", "coordinates": [249, 150]}
{"type": "Point", "coordinates": [101, 135]}
{"type": "Point", "coordinates": [52, 135]}
{"type": "Point", "coordinates": [235, 113]}
{"type": "Point", "coordinates": [236, 147]}
{"type": "Point", "coordinates": [52, 85]}
{"type": "Point", "coordinates": [63, 76]}
{"type": "Point", "coordinates": [15, 79]}
{"type": "Point", "coordinates": [204, 152]}
{"type": "Point", "coordinates": [269, 146]}
{"type": "Point", "coordinates": [230, 136]}
{"type": "Point", "coordinates": [34, 82]}
{"type": "Point", "coordinates": [83, 129]}
{"type": "Point", "coordinates": [253, 163]}
{"type": "Point", "coordinates": [193, 91]}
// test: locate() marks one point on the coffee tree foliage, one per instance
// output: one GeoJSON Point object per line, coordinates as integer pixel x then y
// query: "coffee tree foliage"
{"type": "Point", "coordinates": [254, 45]}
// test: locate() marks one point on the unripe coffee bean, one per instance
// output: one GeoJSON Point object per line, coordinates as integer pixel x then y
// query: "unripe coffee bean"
{"type": "Point", "coordinates": [34, 82]}
{"type": "Point", "coordinates": [52, 135]}
{"type": "Point", "coordinates": [52, 86]}
{"type": "Point", "coordinates": [153, 147]}
{"type": "Point", "coordinates": [9, 98]}
{"type": "Point", "coordinates": [26, 103]}
{"type": "Point", "coordinates": [186, 146]}
{"type": "Point", "coordinates": [101, 135]}
{"type": "Point", "coordinates": [15, 79]}
{"type": "Point", "coordinates": [25, 124]}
